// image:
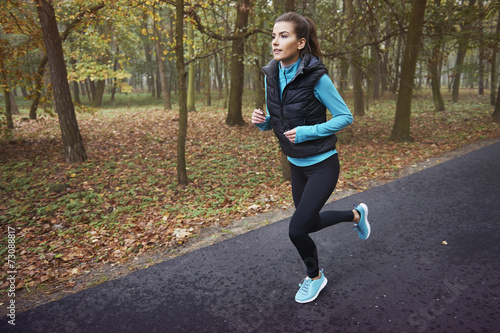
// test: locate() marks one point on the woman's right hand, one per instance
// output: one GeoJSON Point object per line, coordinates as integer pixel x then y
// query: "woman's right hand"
{"type": "Point", "coordinates": [258, 116]}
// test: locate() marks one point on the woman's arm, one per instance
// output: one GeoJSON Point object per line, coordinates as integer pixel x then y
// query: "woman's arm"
{"type": "Point", "coordinates": [327, 94]}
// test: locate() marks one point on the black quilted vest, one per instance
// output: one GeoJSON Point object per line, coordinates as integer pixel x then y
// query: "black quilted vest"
{"type": "Point", "coordinates": [298, 106]}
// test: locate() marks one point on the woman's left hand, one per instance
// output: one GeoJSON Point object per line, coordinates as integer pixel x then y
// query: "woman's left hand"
{"type": "Point", "coordinates": [291, 135]}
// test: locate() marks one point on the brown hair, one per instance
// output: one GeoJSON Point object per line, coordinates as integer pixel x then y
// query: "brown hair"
{"type": "Point", "coordinates": [304, 28]}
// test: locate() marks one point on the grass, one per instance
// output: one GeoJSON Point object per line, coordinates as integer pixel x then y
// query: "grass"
{"type": "Point", "coordinates": [125, 200]}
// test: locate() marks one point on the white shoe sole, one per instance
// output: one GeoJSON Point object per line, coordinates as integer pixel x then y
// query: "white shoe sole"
{"type": "Point", "coordinates": [365, 207]}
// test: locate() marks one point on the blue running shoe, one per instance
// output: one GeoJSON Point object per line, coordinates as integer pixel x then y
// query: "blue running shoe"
{"type": "Point", "coordinates": [363, 226]}
{"type": "Point", "coordinates": [310, 289]}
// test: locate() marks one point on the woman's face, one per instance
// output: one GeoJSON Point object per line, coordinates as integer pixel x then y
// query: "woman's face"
{"type": "Point", "coordinates": [286, 46]}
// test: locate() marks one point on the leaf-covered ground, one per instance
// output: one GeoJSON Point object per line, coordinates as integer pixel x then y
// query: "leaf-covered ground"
{"type": "Point", "coordinates": [125, 201]}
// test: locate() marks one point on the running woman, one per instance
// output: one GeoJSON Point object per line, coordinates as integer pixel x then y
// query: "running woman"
{"type": "Point", "coordinates": [298, 92]}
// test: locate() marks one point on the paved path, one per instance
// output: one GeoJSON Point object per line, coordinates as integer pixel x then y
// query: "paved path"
{"type": "Point", "coordinates": [401, 279]}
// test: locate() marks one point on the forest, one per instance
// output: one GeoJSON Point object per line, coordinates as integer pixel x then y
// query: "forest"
{"type": "Point", "coordinates": [124, 125]}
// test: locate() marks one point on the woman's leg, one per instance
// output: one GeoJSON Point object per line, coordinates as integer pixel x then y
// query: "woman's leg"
{"type": "Point", "coordinates": [311, 188]}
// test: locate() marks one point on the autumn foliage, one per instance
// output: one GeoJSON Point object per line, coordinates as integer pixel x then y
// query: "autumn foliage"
{"type": "Point", "coordinates": [125, 201]}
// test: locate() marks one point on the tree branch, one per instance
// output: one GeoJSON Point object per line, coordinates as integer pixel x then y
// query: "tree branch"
{"type": "Point", "coordinates": [375, 42]}
{"type": "Point", "coordinates": [206, 55]}
{"type": "Point", "coordinates": [79, 17]}
{"type": "Point", "coordinates": [191, 12]}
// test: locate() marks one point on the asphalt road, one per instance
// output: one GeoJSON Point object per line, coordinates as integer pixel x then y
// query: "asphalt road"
{"type": "Point", "coordinates": [402, 279]}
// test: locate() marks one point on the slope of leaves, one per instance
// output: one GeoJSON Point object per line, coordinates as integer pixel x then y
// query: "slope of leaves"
{"type": "Point", "coordinates": [125, 201]}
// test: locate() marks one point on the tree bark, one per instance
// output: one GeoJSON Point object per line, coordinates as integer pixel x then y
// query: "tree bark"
{"type": "Point", "coordinates": [258, 75]}
{"type": "Point", "coordinates": [226, 80]}
{"type": "Point", "coordinates": [37, 91]}
{"type": "Point", "coordinates": [482, 49]}
{"type": "Point", "coordinates": [494, 67]}
{"type": "Point", "coordinates": [13, 104]}
{"type": "Point", "coordinates": [182, 178]}
{"type": "Point", "coordinates": [5, 90]}
{"type": "Point", "coordinates": [191, 69]}
{"type": "Point", "coordinates": [463, 44]}
{"type": "Point", "coordinates": [397, 74]}
{"type": "Point", "coordinates": [72, 141]}
{"type": "Point", "coordinates": [401, 130]}
{"type": "Point", "coordinates": [435, 61]}
{"type": "Point", "coordinates": [218, 74]}
{"type": "Point", "coordinates": [234, 114]}
{"type": "Point", "coordinates": [355, 60]}
{"type": "Point", "coordinates": [208, 82]}
{"type": "Point", "coordinates": [167, 104]}
{"type": "Point", "coordinates": [457, 72]}
{"type": "Point", "coordinates": [99, 93]}
{"type": "Point", "coordinates": [41, 66]}
{"type": "Point", "coordinates": [436, 78]}
{"type": "Point", "coordinates": [76, 93]}
{"type": "Point", "coordinates": [496, 112]}
{"type": "Point", "coordinates": [115, 80]}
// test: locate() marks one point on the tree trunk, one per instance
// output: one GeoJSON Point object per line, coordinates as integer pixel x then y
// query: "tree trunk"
{"type": "Point", "coordinates": [258, 75]}
{"type": "Point", "coordinates": [496, 112]}
{"type": "Point", "coordinates": [435, 79]}
{"type": "Point", "coordinates": [384, 66]}
{"type": "Point", "coordinates": [356, 61]}
{"type": "Point", "coordinates": [37, 91]}
{"type": "Point", "coordinates": [92, 89]}
{"type": "Point", "coordinates": [191, 69]}
{"type": "Point", "coordinates": [226, 78]}
{"type": "Point", "coordinates": [494, 80]}
{"type": "Point", "coordinates": [182, 178]}
{"type": "Point", "coordinates": [167, 104]}
{"type": "Point", "coordinates": [344, 75]}
{"type": "Point", "coordinates": [13, 104]}
{"type": "Point", "coordinates": [208, 82]}
{"type": "Point", "coordinates": [76, 93]}
{"type": "Point", "coordinates": [435, 61]}
{"type": "Point", "coordinates": [401, 130]}
{"type": "Point", "coordinates": [99, 93]}
{"type": "Point", "coordinates": [395, 85]}
{"type": "Point", "coordinates": [218, 73]}
{"type": "Point", "coordinates": [115, 80]}
{"type": "Point", "coordinates": [482, 48]}
{"type": "Point", "coordinates": [71, 138]}
{"type": "Point", "coordinates": [76, 90]}
{"type": "Point", "coordinates": [8, 109]}
{"type": "Point", "coordinates": [357, 84]}
{"type": "Point", "coordinates": [376, 61]}
{"type": "Point", "coordinates": [5, 90]}
{"type": "Point", "coordinates": [457, 72]}
{"type": "Point", "coordinates": [234, 114]}
{"type": "Point", "coordinates": [463, 44]}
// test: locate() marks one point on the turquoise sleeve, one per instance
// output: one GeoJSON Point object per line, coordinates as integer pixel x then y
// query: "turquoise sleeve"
{"type": "Point", "coordinates": [267, 125]}
{"type": "Point", "coordinates": [327, 94]}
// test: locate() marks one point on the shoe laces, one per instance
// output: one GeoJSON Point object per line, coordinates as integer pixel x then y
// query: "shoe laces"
{"type": "Point", "coordinates": [304, 285]}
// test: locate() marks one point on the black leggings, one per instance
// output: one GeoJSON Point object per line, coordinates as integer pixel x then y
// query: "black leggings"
{"type": "Point", "coordinates": [311, 188]}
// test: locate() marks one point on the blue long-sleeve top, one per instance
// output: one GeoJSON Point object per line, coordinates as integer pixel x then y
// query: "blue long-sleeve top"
{"type": "Point", "coordinates": [327, 94]}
